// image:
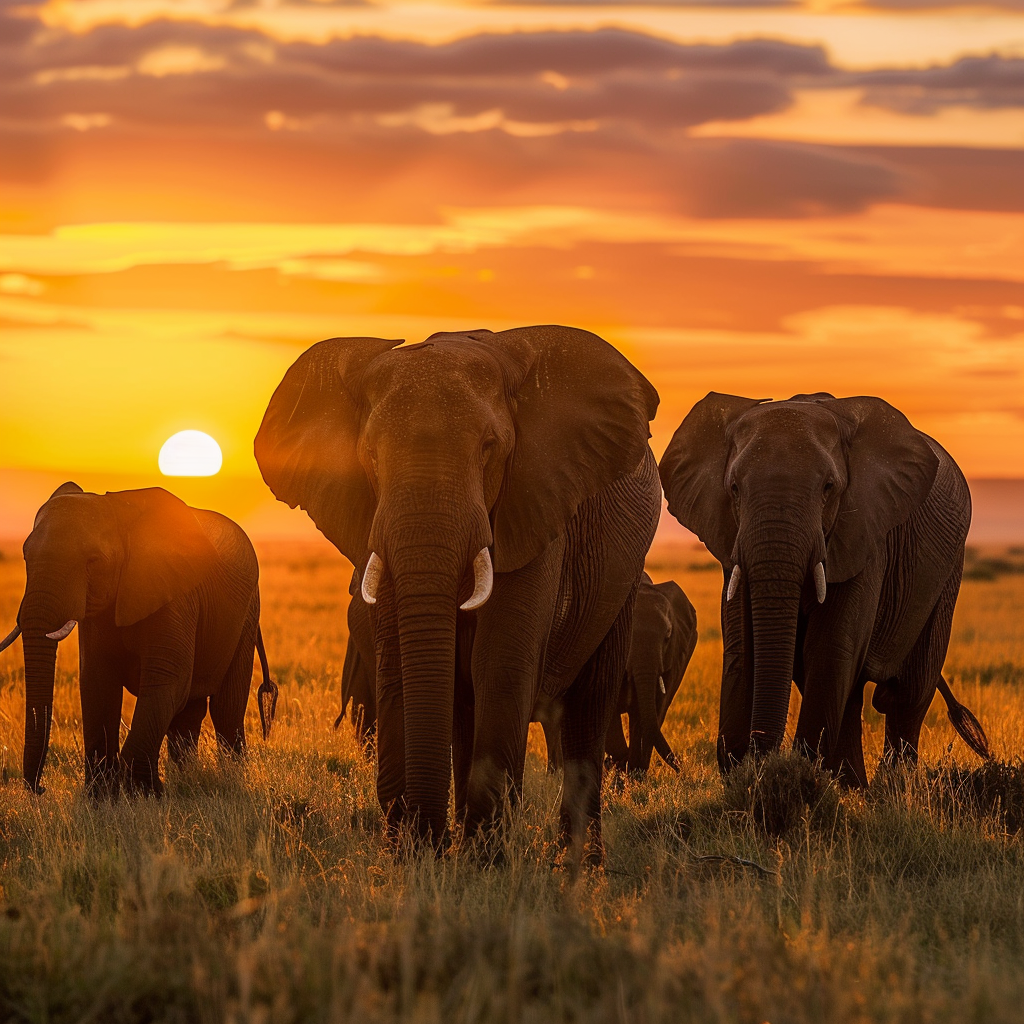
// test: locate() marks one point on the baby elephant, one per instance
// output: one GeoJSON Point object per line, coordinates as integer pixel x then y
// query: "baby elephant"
{"type": "Point", "coordinates": [168, 605]}
{"type": "Point", "coordinates": [662, 643]}
{"type": "Point", "coordinates": [359, 675]}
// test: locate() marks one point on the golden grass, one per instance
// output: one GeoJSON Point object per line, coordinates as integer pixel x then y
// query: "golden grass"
{"type": "Point", "coordinates": [264, 891]}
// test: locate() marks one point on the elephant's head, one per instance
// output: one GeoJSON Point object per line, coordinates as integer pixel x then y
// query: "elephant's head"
{"type": "Point", "coordinates": [124, 554]}
{"type": "Point", "coordinates": [651, 638]}
{"type": "Point", "coordinates": [429, 465]}
{"type": "Point", "coordinates": [789, 497]}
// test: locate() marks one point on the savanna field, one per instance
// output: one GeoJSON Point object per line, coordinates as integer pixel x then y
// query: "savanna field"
{"type": "Point", "coordinates": [264, 891]}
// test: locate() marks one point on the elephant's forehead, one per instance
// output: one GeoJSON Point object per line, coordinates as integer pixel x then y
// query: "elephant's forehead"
{"type": "Point", "coordinates": [434, 370]}
{"type": "Point", "coordinates": [70, 521]}
{"type": "Point", "coordinates": [786, 425]}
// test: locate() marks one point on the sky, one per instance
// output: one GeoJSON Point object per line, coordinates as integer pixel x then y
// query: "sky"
{"type": "Point", "coordinates": [761, 198]}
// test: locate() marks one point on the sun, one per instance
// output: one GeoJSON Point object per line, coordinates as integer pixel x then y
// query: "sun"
{"type": "Point", "coordinates": [190, 453]}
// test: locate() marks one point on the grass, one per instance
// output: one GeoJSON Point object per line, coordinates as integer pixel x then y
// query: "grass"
{"type": "Point", "coordinates": [265, 892]}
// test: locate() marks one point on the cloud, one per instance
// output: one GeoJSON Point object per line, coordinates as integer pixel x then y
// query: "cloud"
{"type": "Point", "coordinates": [989, 82]}
{"type": "Point", "coordinates": [526, 117]}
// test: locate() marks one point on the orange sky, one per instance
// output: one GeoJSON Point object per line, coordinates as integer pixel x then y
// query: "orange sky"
{"type": "Point", "coordinates": [762, 199]}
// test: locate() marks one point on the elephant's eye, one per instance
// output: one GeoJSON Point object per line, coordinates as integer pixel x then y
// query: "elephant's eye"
{"type": "Point", "coordinates": [735, 491]}
{"type": "Point", "coordinates": [827, 489]}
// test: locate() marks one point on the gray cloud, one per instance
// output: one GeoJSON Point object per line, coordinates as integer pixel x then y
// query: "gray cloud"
{"type": "Point", "coordinates": [615, 106]}
{"type": "Point", "coordinates": [989, 82]}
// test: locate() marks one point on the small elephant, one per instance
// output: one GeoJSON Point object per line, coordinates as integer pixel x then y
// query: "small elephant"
{"type": "Point", "coordinates": [168, 605]}
{"type": "Point", "coordinates": [663, 640]}
{"type": "Point", "coordinates": [497, 494]}
{"type": "Point", "coordinates": [841, 530]}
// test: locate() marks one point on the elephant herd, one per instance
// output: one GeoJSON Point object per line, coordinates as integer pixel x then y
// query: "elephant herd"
{"type": "Point", "coordinates": [497, 496]}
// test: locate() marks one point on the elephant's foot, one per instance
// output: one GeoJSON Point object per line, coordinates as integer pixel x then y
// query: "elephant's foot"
{"type": "Point", "coordinates": [102, 778]}
{"type": "Point", "coordinates": [142, 780]}
{"type": "Point", "coordinates": [580, 847]}
{"type": "Point", "coordinates": [730, 755]}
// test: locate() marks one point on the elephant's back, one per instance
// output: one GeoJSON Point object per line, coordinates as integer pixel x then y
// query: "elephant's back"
{"type": "Point", "coordinates": [231, 542]}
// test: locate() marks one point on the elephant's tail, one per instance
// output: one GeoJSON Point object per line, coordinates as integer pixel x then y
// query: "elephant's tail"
{"type": "Point", "coordinates": [966, 725]}
{"type": "Point", "coordinates": [266, 695]}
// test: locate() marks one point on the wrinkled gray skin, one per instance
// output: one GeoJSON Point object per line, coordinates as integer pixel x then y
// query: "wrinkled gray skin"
{"type": "Point", "coordinates": [777, 487]}
{"type": "Point", "coordinates": [663, 640]}
{"type": "Point", "coordinates": [531, 443]}
{"type": "Point", "coordinates": [167, 605]}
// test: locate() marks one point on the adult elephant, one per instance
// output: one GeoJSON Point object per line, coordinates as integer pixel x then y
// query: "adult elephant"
{"type": "Point", "coordinates": [168, 604]}
{"type": "Point", "coordinates": [505, 475]}
{"type": "Point", "coordinates": [840, 529]}
{"type": "Point", "coordinates": [661, 644]}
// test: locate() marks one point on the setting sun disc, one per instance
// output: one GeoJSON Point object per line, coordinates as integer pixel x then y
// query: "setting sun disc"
{"type": "Point", "coordinates": [190, 453]}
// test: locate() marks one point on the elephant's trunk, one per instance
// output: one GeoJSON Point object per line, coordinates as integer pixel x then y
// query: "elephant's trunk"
{"type": "Point", "coordinates": [45, 609]}
{"type": "Point", "coordinates": [40, 665]}
{"type": "Point", "coordinates": [775, 571]}
{"type": "Point", "coordinates": [426, 581]}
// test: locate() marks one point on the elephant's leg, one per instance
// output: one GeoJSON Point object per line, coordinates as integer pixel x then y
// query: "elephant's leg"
{"type": "Point", "coordinates": [589, 705]}
{"type": "Point", "coordinates": [463, 710]}
{"type": "Point", "coordinates": [834, 650]}
{"type": "Point", "coordinates": [736, 702]}
{"type": "Point", "coordinates": [103, 671]}
{"type": "Point", "coordinates": [183, 732]}
{"type": "Point", "coordinates": [227, 705]}
{"type": "Point", "coordinates": [390, 707]}
{"type": "Point", "coordinates": [548, 712]}
{"type": "Point", "coordinates": [508, 658]}
{"type": "Point", "coordinates": [906, 699]}
{"type": "Point", "coordinates": [848, 754]}
{"type": "Point", "coordinates": [165, 678]}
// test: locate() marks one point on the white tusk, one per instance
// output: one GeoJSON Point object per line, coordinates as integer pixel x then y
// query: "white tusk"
{"type": "Point", "coordinates": [819, 582]}
{"type": "Point", "coordinates": [65, 630]}
{"type": "Point", "coordinates": [371, 578]}
{"type": "Point", "coordinates": [483, 580]}
{"type": "Point", "coordinates": [661, 683]}
{"type": "Point", "coordinates": [10, 638]}
{"type": "Point", "coordinates": [734, 582]}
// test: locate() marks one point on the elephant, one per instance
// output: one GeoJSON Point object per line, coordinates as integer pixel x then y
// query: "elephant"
{"type": "Point", "coordinates": [497, 494]}
{"type": "Point", "coordinates": [840, 529]}
{"type": "Point", "coordinates": [358, 676]}
{"type": "Point", "coordinates": [167, 601]}
{"type": "Point", "coordinates": [662, 642]}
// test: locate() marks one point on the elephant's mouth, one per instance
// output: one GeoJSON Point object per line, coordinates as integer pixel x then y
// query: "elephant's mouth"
{"type": "Point", "coordinates": [483, 580]}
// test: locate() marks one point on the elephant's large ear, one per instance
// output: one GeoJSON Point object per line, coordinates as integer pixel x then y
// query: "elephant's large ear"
{"type": "Point", "coordinates": [581, 414]}
{"type": "Point", "coordinates": [693, 471]}
{"type": "Point", "coordinates": [306, 446]}
{"type": "Point", "coordinates": [167, 554]}
{"type": "Point", "coordinates": [890, 467]}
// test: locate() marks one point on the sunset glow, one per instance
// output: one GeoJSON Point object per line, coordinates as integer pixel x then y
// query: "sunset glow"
{"type": "Point", "coordinates": [761, 199]}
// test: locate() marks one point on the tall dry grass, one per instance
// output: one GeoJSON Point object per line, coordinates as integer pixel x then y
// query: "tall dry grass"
{"type": "Point", "coordinates": [265, 892]}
